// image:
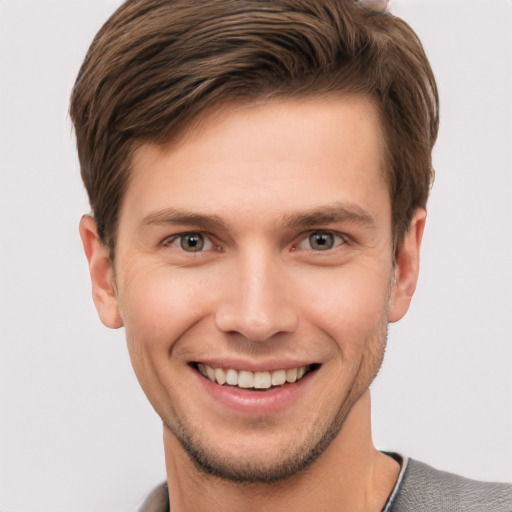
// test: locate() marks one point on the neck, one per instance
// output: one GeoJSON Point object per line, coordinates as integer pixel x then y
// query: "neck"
{"type": "Point", "coordinates": [350, 476]}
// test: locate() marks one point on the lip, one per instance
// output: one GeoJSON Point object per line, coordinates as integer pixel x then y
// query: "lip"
{"type": "Point", "coordinates": [271, 401]}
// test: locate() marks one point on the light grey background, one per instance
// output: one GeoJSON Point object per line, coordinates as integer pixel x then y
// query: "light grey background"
{"type": "Point", "coordinates": [76, 433]}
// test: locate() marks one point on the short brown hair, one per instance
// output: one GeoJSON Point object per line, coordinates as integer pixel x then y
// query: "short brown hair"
{"type": "Point", "coordinates": [156, 65]}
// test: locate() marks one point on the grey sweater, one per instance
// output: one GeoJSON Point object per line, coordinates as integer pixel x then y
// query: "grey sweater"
{"type": "Point", "coordinates": [420, 488]}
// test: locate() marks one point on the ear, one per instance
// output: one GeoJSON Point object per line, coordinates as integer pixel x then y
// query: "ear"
{"type": "Point", "coordinates": [102, 274]}
{"type": "Point", "coordinates": [407, 266]}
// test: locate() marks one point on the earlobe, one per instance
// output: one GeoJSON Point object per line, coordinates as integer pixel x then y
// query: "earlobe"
{"type": "Point", "coordinates": [102, 274]}
{"type": "Point", "coordinates": [407, 267]}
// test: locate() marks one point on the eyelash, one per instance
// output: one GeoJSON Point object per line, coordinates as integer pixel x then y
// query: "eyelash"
{"type": "Point", "coordinates": [205, 240]}
{"type": "Point", "coordinates": [181, 238]}
{"type": "Point", "coordinates": [337, 239]}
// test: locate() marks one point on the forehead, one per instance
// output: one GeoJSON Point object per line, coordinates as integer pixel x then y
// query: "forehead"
{"type": "Point", "coordinates": [273, 156]}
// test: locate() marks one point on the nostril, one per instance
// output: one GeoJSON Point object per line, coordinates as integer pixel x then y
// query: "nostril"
{"type": "Point", "coordinates": [254, 325]}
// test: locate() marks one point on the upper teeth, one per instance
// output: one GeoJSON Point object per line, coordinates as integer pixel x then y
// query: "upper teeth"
{"type": "Point", "coordinates": [247, 379]}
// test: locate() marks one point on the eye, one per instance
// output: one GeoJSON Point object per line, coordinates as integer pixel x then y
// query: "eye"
{"type": "Point", "coordinates": [321, 240]}
{"type": "Point", "coordinates": [189, 242]}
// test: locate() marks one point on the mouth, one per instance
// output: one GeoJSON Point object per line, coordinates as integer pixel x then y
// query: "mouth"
{"type": "Point", "coordinates": [249, 380]}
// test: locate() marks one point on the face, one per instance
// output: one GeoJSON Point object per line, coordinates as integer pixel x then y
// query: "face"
{"type": "Point", "coordinates": [254, 276]}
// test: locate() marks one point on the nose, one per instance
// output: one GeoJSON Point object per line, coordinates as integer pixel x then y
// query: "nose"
{"type": "Point", "coordinates": [256, 299]}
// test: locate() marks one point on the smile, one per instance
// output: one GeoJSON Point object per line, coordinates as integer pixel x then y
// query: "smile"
{"type": "Point", "coordinates": [246, 379]}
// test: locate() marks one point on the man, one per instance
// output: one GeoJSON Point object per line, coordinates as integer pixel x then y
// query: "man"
{"type": "Point", "coordinates": [258, 173]}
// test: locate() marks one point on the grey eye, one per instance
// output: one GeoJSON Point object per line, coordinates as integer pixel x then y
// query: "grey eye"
{"type": "Point", "coordinates": [192, 242]}
{"type": "Point", "coordinates": [321, 240]}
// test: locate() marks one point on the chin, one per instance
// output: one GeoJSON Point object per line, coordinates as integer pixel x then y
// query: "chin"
{"type": "Point", "coordinates": [261, 458]}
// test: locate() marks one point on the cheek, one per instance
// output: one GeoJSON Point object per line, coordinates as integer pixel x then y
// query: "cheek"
{"type": "Point", "coordinates": [159, 304]}
{"type": "Point", "coordinates": [348, 304]}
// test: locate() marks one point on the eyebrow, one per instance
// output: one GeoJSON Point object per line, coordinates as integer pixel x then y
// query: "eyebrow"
{"type": "Point", "coordinates": [174, 216]}
{"type": "Point", "coordinates": [329, 214]}
{"type": "Point", "coordinates": [322, 215]}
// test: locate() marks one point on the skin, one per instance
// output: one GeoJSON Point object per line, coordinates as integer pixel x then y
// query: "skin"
{"type": "Point", "coordinates": [253, 184]}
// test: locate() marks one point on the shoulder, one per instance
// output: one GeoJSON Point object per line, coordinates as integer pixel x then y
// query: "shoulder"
{"type": "Point", "coordinates": [424, 488]}
{"type": "Point", "coordinates": [157, 500]}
